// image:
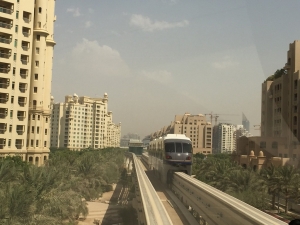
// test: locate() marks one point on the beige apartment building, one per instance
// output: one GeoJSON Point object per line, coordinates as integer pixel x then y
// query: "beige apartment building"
{"type": "Point", "coordinates": [193, 126]}
{"type": "Point", "coordinates": [83, 122]}
{"type": "Point", "coordinates": [280, 126]}
{"type": "Point", "coordinates": [26, 53]}
{"type": "Point", "coordinates": [280, 102]}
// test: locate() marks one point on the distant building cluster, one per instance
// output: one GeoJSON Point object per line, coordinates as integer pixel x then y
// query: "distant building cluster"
{"type": "Point", "coordinates": [225, 137]}
{"type": "Point", "coordinates": [126, 138]}
{"type": "Point", "coordinates": [193, 126]}
{"type": "Point", "coordinates": [84, 122]}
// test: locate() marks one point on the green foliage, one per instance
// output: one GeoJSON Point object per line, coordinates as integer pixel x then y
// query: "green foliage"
{"type": "Point", "coordinates": [55, 193]}
{"type": "Point", "coordinates": [276, 75]}
{"type": "Point", "coordinates": [245, 184]}
{"type": "Point", "coordinates": [129, 216]}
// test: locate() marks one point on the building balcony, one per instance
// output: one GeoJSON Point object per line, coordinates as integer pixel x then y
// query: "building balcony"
{"type": "Point", "coordinates": [23, 73]}
{"type": "Point", "coordinates": [22, 87]}
{"type": "Point", "coordinates": [4, 98]}
{"type": "Point", "coordinates": [19, 143]}
{"type": "Point", "coordinates": [3, 113]}
{"type": "Point", "coordinates": [25, 45]}
{"type": "Point", "coordinates": [5, 40]}
{"type": "Point", "coordinates": [2, 143]}
{"type": "Point", "coordinates": [21, 115]}
{"type": "Point", "coordinates": [20, 129]}
{"type": "Point", "coordinates": [24, 59]}
{"type": "Point", "coordinates": [5, 53]}
{"type": "Point", "coordinates": [4, 68]}
{"type": "Point", "coordinates": [22, 101]}
{"type": "Point", "coordinates": [3, 128]}
{"type": "Point", "coordinates": [6, 25]}
{"type": "Point", "coordinates": [26, 31]}
{"type": "Point", "coordinates": [26, 17]}
{"type": "Point", "coordinates": [6, 8]}
{"type": "Point", "coordinates": [4, 83]}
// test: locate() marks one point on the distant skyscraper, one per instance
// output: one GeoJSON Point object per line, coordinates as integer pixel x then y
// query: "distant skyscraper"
{"type": "Point", "coordinates": [245, 122]}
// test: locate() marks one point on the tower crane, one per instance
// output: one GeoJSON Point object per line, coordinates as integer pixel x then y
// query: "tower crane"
{"type": "Point", "coordinates": [216, 116]}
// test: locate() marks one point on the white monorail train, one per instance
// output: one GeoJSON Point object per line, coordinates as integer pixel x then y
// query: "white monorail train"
{"type": "Point", "coordinates": [171, 153]}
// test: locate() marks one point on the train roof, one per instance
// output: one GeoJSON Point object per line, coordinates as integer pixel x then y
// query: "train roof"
{"type": "Point", "coordinates": [176, 136]}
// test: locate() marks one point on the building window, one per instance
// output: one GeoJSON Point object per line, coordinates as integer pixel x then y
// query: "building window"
{"type": "Point", "coordinates": [262, 144]}
{"type": "Point", "coordinates": [10, 128]}
{"type": "Point", "coordinates": [11, 114]}
{"type": "Point", "coordinates": [16, 42]}
{"type": "Point", "coordinates": [32, 129]}
{"type": "Point", "coordinates": [38, 130]}
{"type": "Point", "coordinates": [34, 89]}
{"type": "Point", "coordinates": [46, 131]}
{"type": "Point", "coordinates": [37, 63]}
{"type": "Point", "coordinates": [15, 56]}
{"type": "Point", "coordinates": [45, 143]}
{"type": "Point", "coordinates": [9, 142]}
{"type": "Point", "coordinates": [39, 24]}
{"type": "Point", "coordinates": [36, 76]}
{"type": "Point", "coordinates": [13, 85]}
{"type": "Point", "coordinates": [31, 143]}
{"type": "Point", "coordinates": [37, 143]}
{"type": "Point", "coordinates": [37, 50]}
{"type": "Point", "coordinates": [16, 28]}
{"type": "Point", "coordinates": [38, 37]}
{"type": "Point", "coordinates": [17, 14]}
{"type": "Point", "coordinates": [39, 117]}
{"type": "Point", "coordinates": [274, 145]}
{"type": "Point", "coordinates": [12, 99]}
{"type": "Point", "coordinates": [33, 117]}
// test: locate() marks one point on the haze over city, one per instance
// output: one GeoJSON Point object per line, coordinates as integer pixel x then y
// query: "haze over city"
{"type": "Point", "coordinates": [159, 58]}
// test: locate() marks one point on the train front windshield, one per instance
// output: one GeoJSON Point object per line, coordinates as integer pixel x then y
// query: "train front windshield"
{"type": "Point", "coordinates": [178, 147]}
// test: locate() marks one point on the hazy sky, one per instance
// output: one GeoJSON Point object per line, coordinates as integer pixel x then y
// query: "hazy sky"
{"type": "Point", "coordinates": [158, 58]}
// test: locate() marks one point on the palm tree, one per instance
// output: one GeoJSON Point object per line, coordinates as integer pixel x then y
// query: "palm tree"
{"type": "Point", "coordinates": [270, 176]}
{"type": "Point", "coordinates": [287, 175]}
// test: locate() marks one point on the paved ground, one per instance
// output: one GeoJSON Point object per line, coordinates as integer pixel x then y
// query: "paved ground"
{"type": "Point", "coordinates": [106, 209]}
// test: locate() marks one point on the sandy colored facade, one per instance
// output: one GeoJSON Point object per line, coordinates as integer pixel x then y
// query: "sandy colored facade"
{"type": "Point", "coordinates": [261, 152]}
{"type": "Point", "coordinates": [26, 54]}
{"type": "Point", "coordinates": [281, 98]}
{"type": "Point", "coordinates": [280, 126]}
{"type": "Point", "coordinates": [193, 126]}
{"type": "Point", "coordinates": [83, 122]}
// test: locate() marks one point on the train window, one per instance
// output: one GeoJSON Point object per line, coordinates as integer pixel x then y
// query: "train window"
{"type": "Point", "coordinates": [178, 147]}
{"type": "Point", "coordinates": [187, 148]}
{"type": "Point", "coordinates": [170, 147]}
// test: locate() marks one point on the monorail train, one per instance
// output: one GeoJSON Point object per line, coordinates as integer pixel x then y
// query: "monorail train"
{"type": "Point", "coordinates": [171, 153]}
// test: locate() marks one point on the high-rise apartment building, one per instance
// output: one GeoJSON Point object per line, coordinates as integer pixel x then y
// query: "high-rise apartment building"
{"type": "Point", "coordinates": [193, 126]}
{"type": "Point", "coordinates": [281, 99]}
{"type": "Point", "coordinates": [225, 138]}
{"type": "Point", "coordinates": [83, 122]}
{"type": "Point", "coordinates": [26, 53]}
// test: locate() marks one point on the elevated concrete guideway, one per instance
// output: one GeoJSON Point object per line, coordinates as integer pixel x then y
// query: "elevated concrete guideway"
{"type": "Point", "coordinates": [215, 206]}
{"type": "Point", "coordinates": [209, 205]}
{"type": "Point", "coordinates": [150, 209]}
